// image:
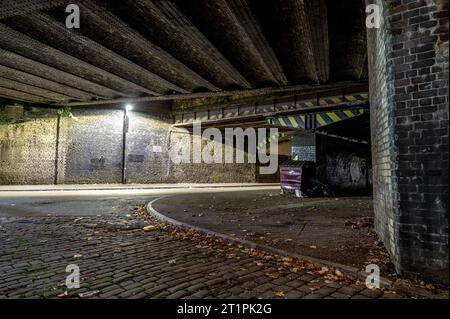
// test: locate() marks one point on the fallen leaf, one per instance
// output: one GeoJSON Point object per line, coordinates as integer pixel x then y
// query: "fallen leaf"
{"type": "Point", "coordinates": [323, 270]}
{"type": "Point", "coordinates": [279, 294]}
{"type": "Point", "coordinates": [150, 228]}
{"type": "Point", "coordinates": [172, 261]}
{"type": "Point", "coordinates": [77, 256]}
{"type": "Point", "coordinates": [270, 275]}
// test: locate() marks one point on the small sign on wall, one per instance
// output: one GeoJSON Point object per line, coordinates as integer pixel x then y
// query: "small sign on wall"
{"type": "Point", "coordinates": [304, 147]}
{"type": "Point", "coordinates": [157, 149]}
{"type": "Point", "coordinates": [304, 153]}
{"type": "Point", "coordinates": [135, 158]}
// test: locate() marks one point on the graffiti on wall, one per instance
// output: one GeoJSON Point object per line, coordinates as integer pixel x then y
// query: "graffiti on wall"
{"type": "Point", "coordinates": [346, 170]}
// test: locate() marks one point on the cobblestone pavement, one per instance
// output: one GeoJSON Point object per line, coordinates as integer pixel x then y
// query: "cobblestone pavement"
{"type": "Point", "coordinates": [117, 259]}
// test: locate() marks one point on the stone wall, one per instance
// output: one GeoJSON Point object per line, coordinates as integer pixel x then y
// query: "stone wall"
{"type": "Point", "coordinates": [27, 146]}
{"type": "Point", "coordinates": [90, 150]}
{"type": "Point", "coordinates": [91, 147]}
{"type": "Point", "coordinates": [209, 172]}
{"type": "Point", "coordinates": [147, 157]}
{"type": "Point", "coordinates": [408, 66]}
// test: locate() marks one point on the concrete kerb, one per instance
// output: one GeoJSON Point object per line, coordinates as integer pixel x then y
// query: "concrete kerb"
{"type": "Point", "coordinates": [347, 270]}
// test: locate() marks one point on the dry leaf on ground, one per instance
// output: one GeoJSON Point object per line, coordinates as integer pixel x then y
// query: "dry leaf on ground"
{"type": "Point", "coordinates": [150, 228]}
{"type": "Point", "coordinates": [279, 294]}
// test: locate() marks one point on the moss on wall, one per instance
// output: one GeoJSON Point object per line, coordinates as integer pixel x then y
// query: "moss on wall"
{"type": "Point", "coordinates": [16, 113]}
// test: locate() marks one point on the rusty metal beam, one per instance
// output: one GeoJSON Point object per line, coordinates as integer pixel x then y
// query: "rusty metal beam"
{"type": "Point", "coordinates": [268, 116]}
{"type": "Point", "coordinates": [301, 89]}
{"type": "Point", "coordinates": [242, 123]}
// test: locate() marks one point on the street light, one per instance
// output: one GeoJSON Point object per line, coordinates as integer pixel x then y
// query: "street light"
{"type": "Point", "coordinates": [128, 107]}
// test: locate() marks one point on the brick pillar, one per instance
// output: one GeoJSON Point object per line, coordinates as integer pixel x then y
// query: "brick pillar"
{"type": "Point", "coordinates": [408, 71]}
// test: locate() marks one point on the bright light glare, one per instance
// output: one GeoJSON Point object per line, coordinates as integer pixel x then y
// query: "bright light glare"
{"type": "Point", "coordinates": [128, 107]}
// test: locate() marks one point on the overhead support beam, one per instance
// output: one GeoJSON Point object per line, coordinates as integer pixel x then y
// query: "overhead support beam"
{"type": "Point", "coordinates": [46, 29]}
{"type": "Point", "coordinates": [24, 45]}
{"type": "Point", "coordinates": [254, 122]}
{"type": "Point", "coordinates": [31, 80]}
{"type": "Point", "coordinates": [241, 10]}
{"type": "Point", "coordinates": [25, 70]}
{"type": "Point", "coordinates": [22, 96]}
{"type": "Point", "coordinates": [106, 28]}
{"type": "Point", "coordinates": [284, 107]}
{"type": "Point", "coordinates": [49, 95]}
{"type": "Point", "coordinates": [300, 89]}
{"type": "Point", "coordinates": [11, 8]}
{"type": "Point", "coordinates": [223, 27]}
{"type": "Point", "coordinates": [150, 50]}
{"type": "Point", "coordinates": [184, 25]}
{"type": "Point", "coordinates": [287, 28]}
{"type": "Point", "coordinates": [298, 39]}
{"type": "Point", "coordinates": [164, 24]}
{"type": "Point", "coordinates": [348, 44]}
{"type": "Point", "coordinates": [318, 22]}
{"type": "Point", "coordinates": [316, 120]}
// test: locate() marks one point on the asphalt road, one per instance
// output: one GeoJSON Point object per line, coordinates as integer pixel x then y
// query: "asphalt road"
{"type": "Point", "coordinates": [69, 206]}
{"type": "Point", "coordinates": [90, 202]}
